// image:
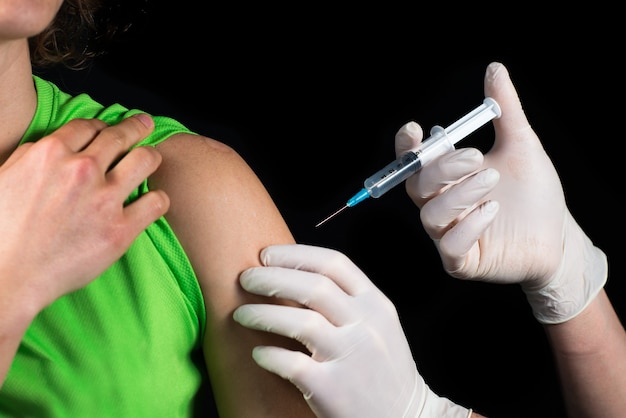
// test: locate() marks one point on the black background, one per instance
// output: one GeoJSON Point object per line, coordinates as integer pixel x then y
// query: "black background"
{"type": "Point", "coordinates": [312, 95]}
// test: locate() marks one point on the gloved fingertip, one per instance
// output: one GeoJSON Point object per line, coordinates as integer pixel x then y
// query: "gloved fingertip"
{"type": "Point", "coordinates": [257, 351]}
{"type": "Point", "coordinates": [246, 315]}
{"type": "Point", "coordinates": [490, 208]}
{"type": "Point", "coordinates": [259, 355]}
{"type": "Point", "coordinates": [278, 254]}
{"type": "Point", "coordinates": [489, 177]}
{"type": "Point", "coordinates": [408, 137]}
{"type": "Point", "coordinates": [245, 277]}
{"type": "Point", "coordinates": [495, 75]}
{"type": "Point", "coordinates": [499, 86]}
{"type": "Point", "coordinates": [493, 70]}
{"type": "Point", "coordinates": [265, 254]}
{"type": "Point", "coordinates": [237, 315]}
{"type": "Point", "coordinates": [412, 127]}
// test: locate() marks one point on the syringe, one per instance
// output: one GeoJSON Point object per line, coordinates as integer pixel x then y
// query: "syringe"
{"type": "Point", "coordinates": [438, 143]}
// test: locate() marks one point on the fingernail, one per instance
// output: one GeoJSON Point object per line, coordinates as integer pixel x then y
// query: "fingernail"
{"type": "Point", "coordinates": [145, 119]}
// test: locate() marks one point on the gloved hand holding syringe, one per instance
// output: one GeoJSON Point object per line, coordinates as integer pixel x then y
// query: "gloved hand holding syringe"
{"type": "Point", "coordinates": [438, 143]}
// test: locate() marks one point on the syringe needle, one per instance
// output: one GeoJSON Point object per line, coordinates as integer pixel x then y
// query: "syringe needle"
{"type": "Point", "coordinates": [331, 216]}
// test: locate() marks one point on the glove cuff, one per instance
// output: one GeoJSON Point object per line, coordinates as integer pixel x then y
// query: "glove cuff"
{"type": "Point", "coordinates": [581, 275]}
{"type": "Point", "coordinates": [426, 404]}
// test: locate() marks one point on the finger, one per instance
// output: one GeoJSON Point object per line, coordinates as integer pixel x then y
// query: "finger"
{"type": "Point", "coordinates": [408, 137]}
{"type": "Point", "coordinates": [444, 171]}
{"type": "Point", "coordinates": [455, 245]}
{"type": "Point", "coordinates": [133, 168]}
{"type": "Point", "coordinates": [313, 290]}
{"type": "Point", "coordinates": [303, 325]}
{"type": "Point", "coordinates": [294, 366]}
{"type": "Point", "coordinates": [325, 261]}
{"type": "Point", "coordinates": [442, 212]}
{"type": "Point", "coordinates": [78, 133]}
{"type": "Point", "coordinates": [513, 122]}
{"type": "Point", "coordinates": [114, 141]}
{"type": "Point", "coordinates": [146, 209]}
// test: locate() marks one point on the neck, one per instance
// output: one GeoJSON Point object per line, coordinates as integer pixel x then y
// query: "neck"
{"type": "Point", "coordinates": [18, 97]}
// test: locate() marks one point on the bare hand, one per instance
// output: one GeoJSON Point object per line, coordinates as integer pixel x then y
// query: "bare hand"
{"type": "Point", "coordinates": [63, 218]}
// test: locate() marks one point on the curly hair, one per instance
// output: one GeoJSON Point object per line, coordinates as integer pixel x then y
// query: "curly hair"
{"type": "Point", "coordinates": [83, 30]}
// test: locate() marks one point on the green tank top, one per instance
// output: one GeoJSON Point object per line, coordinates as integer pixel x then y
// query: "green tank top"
{"type": "Point", "coordinates": [129, 343]}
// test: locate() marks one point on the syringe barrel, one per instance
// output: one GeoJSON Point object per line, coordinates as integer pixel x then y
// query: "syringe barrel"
{"type": "Point", "coordinates": [409, 163]}
{"type": "Point", "coordinates": [392, 174]}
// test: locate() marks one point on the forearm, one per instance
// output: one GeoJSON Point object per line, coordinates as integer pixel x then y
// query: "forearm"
{"type": "Point", "coordinates": [20, 303]}
{"type": "Point", "coordinates": [14, 320]}
{"type": "Point", "coordinates": [590, 352]}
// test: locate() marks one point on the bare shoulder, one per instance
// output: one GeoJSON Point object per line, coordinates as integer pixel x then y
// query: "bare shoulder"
{"type": "Point", "coordinates": [191, 150]}
{"type": "Point", "coordinates": [216, 198]}
{"type": "Point", "coordinates": [197, 169]}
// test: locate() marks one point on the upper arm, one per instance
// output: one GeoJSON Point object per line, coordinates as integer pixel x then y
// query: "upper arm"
{"type": "Point", "coordinates": [223, 216]}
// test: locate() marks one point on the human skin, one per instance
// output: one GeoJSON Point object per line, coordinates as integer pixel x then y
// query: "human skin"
{"type": "Point", "coordinates": [223, 217]}
{"type": "Point", "coordinates": [212, 199]}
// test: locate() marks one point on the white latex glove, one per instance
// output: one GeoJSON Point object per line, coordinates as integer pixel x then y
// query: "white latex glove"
{"type": "Point", "coordinates": [507, 220]}
{"type": "Point", "coordinates": [360, 363]}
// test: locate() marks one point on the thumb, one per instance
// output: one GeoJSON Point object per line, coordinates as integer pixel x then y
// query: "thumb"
{"type": "Point", "coordinates": [512, 124]}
